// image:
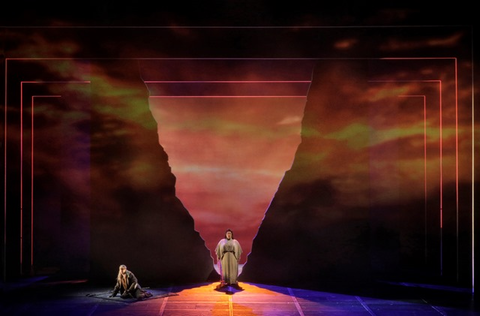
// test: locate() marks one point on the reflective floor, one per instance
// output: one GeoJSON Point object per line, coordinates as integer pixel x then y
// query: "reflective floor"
{"type": "Point", "coordinates": [78, 297]}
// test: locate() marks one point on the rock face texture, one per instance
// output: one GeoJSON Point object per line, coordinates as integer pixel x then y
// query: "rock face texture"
{"type": "Point", "coordinates": [136, 218]}
{"type": "Point", "coordinates": [314, 231]}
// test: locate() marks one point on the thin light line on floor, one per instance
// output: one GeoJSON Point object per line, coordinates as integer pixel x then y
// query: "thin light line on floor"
{"type": "Point", "coordinates": [164, 303]}
{"type": "Point", "coordinates": [297, 305]}
{"type": "Point", "coordinates": [230, 306]}
{"type": "Point", "coordinates": [93, 309]}
{"type": "Point", "coordinates": [435, 308]}
{"type": "Point", "coordinates": [365, 306]}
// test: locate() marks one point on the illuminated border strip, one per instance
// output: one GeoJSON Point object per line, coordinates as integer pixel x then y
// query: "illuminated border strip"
{"type": "Point", "coordinates": [32, 171]}
{"type": "Point", "coordinates": [32, 154]}
{"type": "Point", "coordinates": [424, 162]}
{"type": "Point", "coordinates": [440, 157]}
{"type": "Point", "coordinates": [224, 96]}
{"type": "Point", "coordinates": [226, 81]}
{"type": "Point", "coordinates": [246, 82]}
{"type": "Point", "coordinates": [455, 60]}
{"type": "Point", "coordinates": [456, 160]}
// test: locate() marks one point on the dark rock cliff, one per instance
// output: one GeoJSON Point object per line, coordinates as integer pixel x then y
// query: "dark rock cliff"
{"type": "Point", "coordinates": [136, 218]}
{"type": "Point", "coordinates": [308, 236]}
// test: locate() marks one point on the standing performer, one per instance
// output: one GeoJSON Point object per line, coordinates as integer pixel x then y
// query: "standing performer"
{"type": "Point", "coordinates": [228, 253]}
{"type": "Point", "coordinates": [127, 285]}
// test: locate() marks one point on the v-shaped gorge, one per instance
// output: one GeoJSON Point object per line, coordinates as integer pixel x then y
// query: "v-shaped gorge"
{"type": "Point", "coordinates": [231, 130]}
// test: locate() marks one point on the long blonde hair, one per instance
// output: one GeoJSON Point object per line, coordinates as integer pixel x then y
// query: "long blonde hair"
{"type": "Point", "coordinates": [120, 274]}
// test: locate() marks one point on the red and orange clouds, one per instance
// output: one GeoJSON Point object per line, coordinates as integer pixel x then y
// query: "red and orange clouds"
{"type": "Point", "coordinates": [230, 142]}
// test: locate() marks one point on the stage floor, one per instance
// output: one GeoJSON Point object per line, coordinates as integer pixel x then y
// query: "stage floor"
{"type": "Point", "coordinates": [78, 297]}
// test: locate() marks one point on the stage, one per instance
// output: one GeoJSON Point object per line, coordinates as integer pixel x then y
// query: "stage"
{"type": "Point", "coordinates": [41, 296]}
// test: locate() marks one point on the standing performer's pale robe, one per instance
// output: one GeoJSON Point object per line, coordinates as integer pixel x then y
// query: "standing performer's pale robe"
{"type": "Point", "coordinates": [228, 253]}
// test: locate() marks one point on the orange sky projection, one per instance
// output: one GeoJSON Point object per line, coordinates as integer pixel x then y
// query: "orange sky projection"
{"type": "Point", "coordinates": [230, 138]}
{"type": "Point", "coordinates": [228, 163]}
